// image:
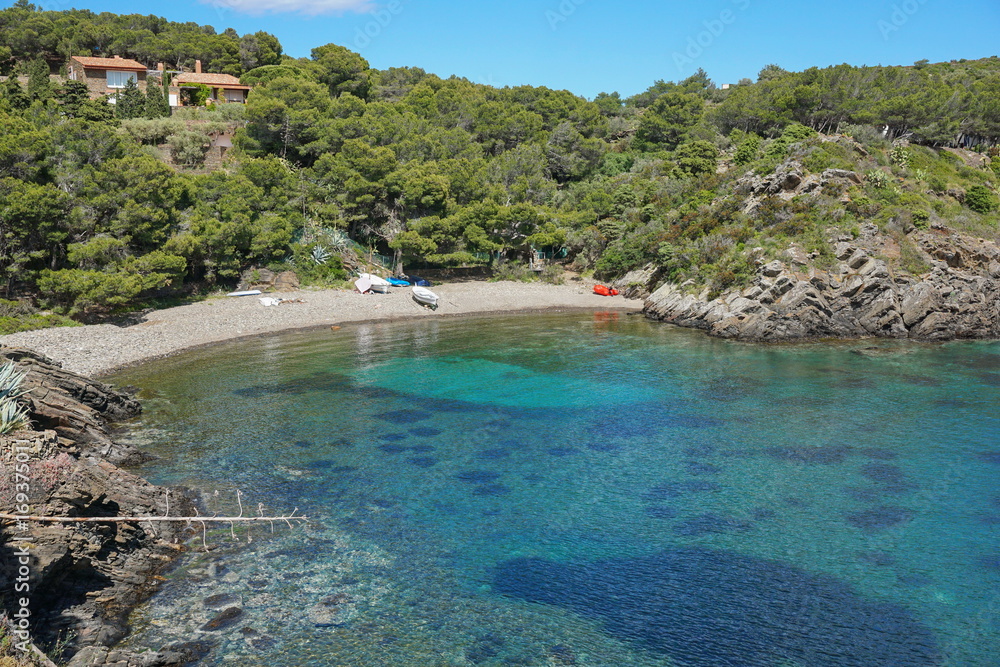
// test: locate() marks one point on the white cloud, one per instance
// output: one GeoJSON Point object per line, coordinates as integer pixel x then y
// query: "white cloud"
{"type": "Point", "coordinates": [308, 7]}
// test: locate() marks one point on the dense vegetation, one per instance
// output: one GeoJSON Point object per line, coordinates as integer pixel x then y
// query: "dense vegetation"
{"type": "Point", "coordinates": [444, 172]}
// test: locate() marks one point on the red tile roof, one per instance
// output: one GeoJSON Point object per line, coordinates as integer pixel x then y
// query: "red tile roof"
{"type": "Point", "coordinates": [218, 80]}
{"type": "Point", "coordinates": [109, 63]}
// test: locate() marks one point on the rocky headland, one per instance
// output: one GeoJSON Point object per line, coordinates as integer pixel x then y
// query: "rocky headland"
{"type": "Point", "coordinates": [84, 577]}
{"type": "Point", "coordinates": [859, 292]}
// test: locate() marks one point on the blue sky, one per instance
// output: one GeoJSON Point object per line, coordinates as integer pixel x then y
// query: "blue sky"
{"type": "Point", "coordinates": [589, 46]}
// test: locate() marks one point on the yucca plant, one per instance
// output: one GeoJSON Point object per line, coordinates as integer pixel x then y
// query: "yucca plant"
{"type": "Point", "coordinates": [13, 415]}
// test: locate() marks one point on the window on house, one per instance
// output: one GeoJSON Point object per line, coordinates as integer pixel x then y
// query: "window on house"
{"type": "Point", "coordinates": [118, 79]}
{"type": "Point", "coordinates": [234, 95]}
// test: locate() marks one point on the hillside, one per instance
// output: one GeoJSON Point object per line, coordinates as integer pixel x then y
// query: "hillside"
{"type": "Point", "coordinates": [691, 184]}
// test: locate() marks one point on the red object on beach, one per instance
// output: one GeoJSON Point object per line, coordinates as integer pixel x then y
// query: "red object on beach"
{"type": "Point", "coordinates": [605, 291]}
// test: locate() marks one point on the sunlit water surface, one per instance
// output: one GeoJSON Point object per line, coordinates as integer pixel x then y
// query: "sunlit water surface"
{"type": "Point", "coordinates": [582, 490]}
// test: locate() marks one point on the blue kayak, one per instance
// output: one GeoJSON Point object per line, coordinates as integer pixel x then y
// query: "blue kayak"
{"type": "Point", "coordinates": [396, 282]}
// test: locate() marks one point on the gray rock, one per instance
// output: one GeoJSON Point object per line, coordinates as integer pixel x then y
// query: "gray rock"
{"type": "Point", "coordinates": [858, 297]}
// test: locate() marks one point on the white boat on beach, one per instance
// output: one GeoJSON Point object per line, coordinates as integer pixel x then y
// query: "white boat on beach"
{"type": "Point", "coordinates": [371, 282]}
{"type": "Point", "coordinates": [426, 297]}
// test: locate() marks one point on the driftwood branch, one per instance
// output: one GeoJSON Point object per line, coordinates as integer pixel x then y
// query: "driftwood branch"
{"type": "Point", "coordinates": [197, 518]}
{"type": "Point", "coordinates": [138, 519]}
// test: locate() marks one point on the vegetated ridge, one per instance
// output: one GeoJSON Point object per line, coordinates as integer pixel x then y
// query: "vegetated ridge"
{"type": "Point", "coordinates": [696, 187]}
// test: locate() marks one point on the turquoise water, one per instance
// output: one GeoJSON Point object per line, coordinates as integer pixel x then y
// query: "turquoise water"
{"type": "Point", "coordinates": [582, 490]}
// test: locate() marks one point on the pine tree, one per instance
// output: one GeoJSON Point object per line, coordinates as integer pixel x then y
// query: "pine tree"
{"type": "Point", "coordinates": [39, 86]}
{"type": "Point", "coordinates": [156, 105]}
{"type": "Point", "coordinates": [15, 95]}
{"type": "Point", "coordinates": [131, 103]}
{"type": "Point", "coordinates": [74, 95]}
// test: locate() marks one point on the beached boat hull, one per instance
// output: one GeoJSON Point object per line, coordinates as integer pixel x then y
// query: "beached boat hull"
{"type": "Point", "coordinates": [375, 283]}
{"type": "Point", "coordinates": [424, 296]}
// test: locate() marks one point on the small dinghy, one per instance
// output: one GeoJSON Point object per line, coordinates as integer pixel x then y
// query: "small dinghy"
{"type": "Point", "coordinates": [396, 282]}
{"type": "Point", "coordinates": [373, 283]}
{"type": "Point", "coordinates": [424, 296]}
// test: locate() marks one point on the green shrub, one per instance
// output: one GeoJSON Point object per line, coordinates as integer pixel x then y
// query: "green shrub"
{"type": "Point", "coordinates": [910, 258]}
{"type": "Point", "coordinates": [937, 183]}
{"type": "Point", "coordinates": [86, 292]}
{"type": "Point", "coordinates": [921, 218]}
{"type": "Point", "coordinates": [748, 150]}
{"type": "Point", "coordinates": [189, 147]}
{"type": "Point", "coordinates": [697, 157]}
{"type": "Point", "coordinates": [151, 130]}
{"type": "Point", "coordinates": [981, 199]}
{"type": "Point", "coordinates": [621, 257]}
{"type": "Point", "coordinates": [863, 207]}
{"type": "Point", "coordinates": [18, 316]}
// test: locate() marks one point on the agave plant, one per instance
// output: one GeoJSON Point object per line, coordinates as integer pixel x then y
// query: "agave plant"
{"type": "Point", "coordinates": [13, 415]}
{"type": "Point", "coordinates": [320, 254]}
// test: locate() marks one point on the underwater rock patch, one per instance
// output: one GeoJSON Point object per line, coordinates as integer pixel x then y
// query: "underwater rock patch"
{"type": "Point", "coordinates": [490, 490]}
{"type": "Point", "coordinates": [701, 468]}
{"type": "Point", "coordinates": [671, 490]}
{"type": "Point", "coordinates": [699, 451]}
{"type": "Point", "coordinates": [223, 619]}
{"type": "Point", "coordinates": [220, 600]}
{"type": "Point", "coordinates": [821, 455]}
{"type": "Point", "coordinates": [425, 432]}
{"type": "Point", "coordinates": [879, 518]}
{"type": "Point", "coordinates": [478, 476]}
{"type": "Point", "coordinates": [403, 416]}
{"type": "Point", "coordinates": [711, 607]}
{"type": "Point", "coordinates": [423, 461]}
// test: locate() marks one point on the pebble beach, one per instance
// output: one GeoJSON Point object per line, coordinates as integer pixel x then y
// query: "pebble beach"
{"type": "Point", "coordinates": [99, 349]}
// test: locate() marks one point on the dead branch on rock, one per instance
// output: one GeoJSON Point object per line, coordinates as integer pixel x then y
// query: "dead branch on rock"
{"type": "Point", "coordinates": [197, 518]}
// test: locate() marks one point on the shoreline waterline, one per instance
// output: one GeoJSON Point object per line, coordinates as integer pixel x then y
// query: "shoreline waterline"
{"type": "Point", "coordinates": [102, 349]}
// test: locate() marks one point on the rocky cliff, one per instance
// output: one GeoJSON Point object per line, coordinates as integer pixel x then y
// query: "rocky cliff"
{"type": "Point", "coordinates": [85, 577]}
{"type": "Point", "coordinates": [860, 295]}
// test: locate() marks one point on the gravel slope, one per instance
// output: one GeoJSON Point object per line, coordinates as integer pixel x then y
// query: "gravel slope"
{"type": "Point", "coordinates": [102, 348]}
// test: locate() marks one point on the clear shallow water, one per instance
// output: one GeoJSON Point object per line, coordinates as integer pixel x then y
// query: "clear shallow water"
{"type": "Point", "coordinates": [584, 489]}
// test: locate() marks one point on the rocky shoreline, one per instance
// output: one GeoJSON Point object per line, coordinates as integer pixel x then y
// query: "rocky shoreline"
{"type": "Point", "coordinates": [859, 296]}
{"type": "Point", "coordinates": [85, 577]}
